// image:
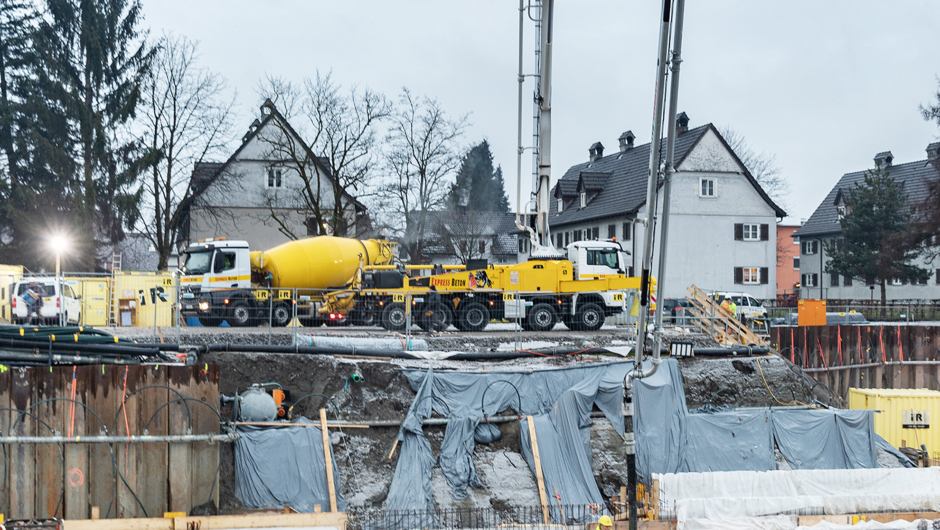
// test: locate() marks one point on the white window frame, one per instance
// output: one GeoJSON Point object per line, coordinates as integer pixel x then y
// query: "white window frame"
{"type": "Point", "coordinates": [840, 212]}
{"type": "Point", "coordinates": [751, 231]}
{"type": "Point", "coordinates": [812, 280]}
{"type": "Point", "coordinates": [896, 281]}
{"type": "Point", "coordinates": [583, 199]}
{"type": "Point", "coordinates": [796, 263]}
{"type": "Point", "coordinates": [561, 205]}
{"type": "Point", "coordinates": [712, 189]}
{"type": "Point", "coordinates": [750, 275]}
{"type": "Point", "coordinates": [274, 178]}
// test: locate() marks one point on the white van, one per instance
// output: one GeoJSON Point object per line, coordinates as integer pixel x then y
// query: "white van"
{"type": "Point", "coordinates": [23, 301]}
{"type": "Point", "coordinates": [748, 306]}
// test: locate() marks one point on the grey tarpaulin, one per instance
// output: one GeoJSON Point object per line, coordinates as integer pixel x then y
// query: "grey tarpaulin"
{"type": "Point", "coordinates": [672, 440]}
{"type": "Point", "coordinates": [738, 440]}
{"type": "Point", "coordinates": [411, 484]}
{"type": "Point", "coordinates": [826, 439]}
{"type": "Point", "coordinates": [283, 466]}
{"type": "Point", "coordinates": [883, 444]}
{"type": "Point", "coordinates": [466, 396]}
{"type": "Point", "coordinates": [659, 414]}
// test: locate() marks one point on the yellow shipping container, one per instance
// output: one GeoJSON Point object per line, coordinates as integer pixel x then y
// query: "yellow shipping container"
{"type": "Point", "coordinates": [94, 302]}
{"type": "Point", "coordinates": [909, 415]}
{"type": "Point", "coordinates": [9, 274]}
{"type": "Point", "coordinates": [131, 286]}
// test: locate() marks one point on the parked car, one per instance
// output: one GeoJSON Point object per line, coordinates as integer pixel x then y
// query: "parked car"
{"type": "Point", "coordinates": [671, 307]}
{"type": "Point", "coordinates": [748, 306]}
{"type": "Point", "coordinates": [24, 302]}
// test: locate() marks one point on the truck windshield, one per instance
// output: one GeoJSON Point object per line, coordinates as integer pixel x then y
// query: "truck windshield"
{"type": "Point", "coordinates": [197, 262]}
{"type": "Point", "coordinates": [606, 257]}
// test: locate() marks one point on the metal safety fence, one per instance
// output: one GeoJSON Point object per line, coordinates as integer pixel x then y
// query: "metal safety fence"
{"type": "Point", "coordinates": [531, 517]}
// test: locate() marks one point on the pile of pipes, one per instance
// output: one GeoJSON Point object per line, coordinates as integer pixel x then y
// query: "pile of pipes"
{"type": "Point", "coordinates": [52, 345]}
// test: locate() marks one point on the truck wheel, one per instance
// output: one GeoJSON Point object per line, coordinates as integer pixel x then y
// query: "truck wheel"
{"type": "Point", "coordinates": [394, 317]}
{"type": "Point", "coordinates": [436, 317]}
{"type": "Point", "coordinates": [473, 316]}
{"type": "Point", "coordinates": [241, 314]}
{"type": "Point", "coordinates": [281, 315]}
{"type": "Point", "coordinates": [590, 317]}
{"type": "Point", "coordinates": [541, 317]}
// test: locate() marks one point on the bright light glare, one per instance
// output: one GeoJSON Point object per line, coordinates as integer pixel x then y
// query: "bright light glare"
{"type": "Point", "coordinates": [59, 243]}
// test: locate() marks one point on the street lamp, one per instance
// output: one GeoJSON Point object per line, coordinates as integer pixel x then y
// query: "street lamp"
{"type": "Point", "coordinates": [59, 244]}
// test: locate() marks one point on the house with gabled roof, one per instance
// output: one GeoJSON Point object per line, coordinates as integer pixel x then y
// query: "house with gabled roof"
{"type": "Point", "coordinates": [722, 225]}
{"type": "Point", "coordinates": [823, 228]}
{"type": "Point", "coordinates": [257, 194]}
{"type": "Point", "coordinates": [454, 237]}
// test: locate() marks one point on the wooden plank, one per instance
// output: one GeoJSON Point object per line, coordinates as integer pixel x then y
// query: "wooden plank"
{"type": "Point", "coordinates": [543, 498]}
{"type": "Point", "coordinates": [328, 459]}
{"type": "Point", "coordinates": [126, 453]}
{"type": "Point", "coordinates": [48, 383]}
{"type": "Point", "coordinates": [23, 456]}
{"type": "Point", "coordinates": [104, 397]}
{"type": "Point", "coordinates": [152, 458]}
{"type": "Point", "coordinates": [278, 520]}
{"type": "Point", "coordinates": [813, 520]}
{"type": "Point", "coordinates": [205, 463]}
{"type": "Point", "coordinates": [7, 417]}
{"type": "Point", "coordinates": [76, 455]}
{"type": "Point", "coordinates": [654, 499]}
{"type": "Point", "coordinates": [179, 455]}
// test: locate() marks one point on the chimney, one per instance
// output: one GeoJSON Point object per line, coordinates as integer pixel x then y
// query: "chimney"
{"type": "Point", "coordinates": [883, 160]}
{"type": "Point", "coordinates": [626, 141]}
{"type": "Point", "coordinates": [267, 107]}
{"type": "Point", "coordinates": [596, 151]}
{"type": "Point", "coordinates": [682, 123]}
{"type": "Point", "coordinates": [932, 152]}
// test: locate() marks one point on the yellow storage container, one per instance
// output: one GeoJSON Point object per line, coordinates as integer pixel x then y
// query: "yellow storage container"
{"type": "Point", "coordinates": [131, 286]}
{"type": "Point", "coordinates": [909, 415]}
{"type": "Point", "coordinates": [9, 274]}
{"type": "Point", "coordinates": [94, 302]}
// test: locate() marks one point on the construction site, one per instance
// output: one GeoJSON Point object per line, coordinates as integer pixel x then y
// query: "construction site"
{"type": "Point", "coordinates": [328, 383]}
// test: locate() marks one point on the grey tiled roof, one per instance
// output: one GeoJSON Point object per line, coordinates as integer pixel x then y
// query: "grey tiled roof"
{"type": "Point", "coordinates": [912, 177]}
{"type": "Point", "coordinates": [500, 227]}
{"type": "Point", "coordinates": [595, 180]}
{"type": "Point", "coordinates": [505, 244]}
{"type": "Point", "coordinates": [625, 190]}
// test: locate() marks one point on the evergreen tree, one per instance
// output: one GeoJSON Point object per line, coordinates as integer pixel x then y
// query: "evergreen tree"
{"type": "Point", "coordinates": [92, 56]}
{"type": "Point", "coordinates": [478, 187]}
{"type": "Point", "coordinates": [874, 230]}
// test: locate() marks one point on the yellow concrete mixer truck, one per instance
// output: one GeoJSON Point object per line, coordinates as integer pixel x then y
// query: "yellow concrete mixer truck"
{"type": "Point", "coordinates": [224, 280]}
{"type": "Point", "coordinates": [332, 279]}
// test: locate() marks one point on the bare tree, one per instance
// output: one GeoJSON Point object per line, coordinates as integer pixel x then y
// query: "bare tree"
{"type": "Point", "coordinates": [762, 165]}
{"type": "Point", "coordinates": [187, 118]}
{"type": "Point", "coordinates": [422, 157]}
{"type": "Point", "coordinates": [332, 151]}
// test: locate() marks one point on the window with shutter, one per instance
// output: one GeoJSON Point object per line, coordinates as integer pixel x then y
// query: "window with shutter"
{"type": "Point", "coordinates": [938, 276]}
{"type": "Point", "coordinates": [738, 232]}
{"type": "Point", "coordinates": [764, 232]}
{"type": "Point", "coordinates": [567, 238]}
{"type": "Point", "coordinates": [596, 233]}
{"type": "Point", "coordinates": [611, 231]}
{"type": "Point", "coordinates": [626, 232]}
{"type": "Point", "coordinates": [739, 275]}
{"type": "Point", "coordinates": [803, 280]}
{"type": "Point", "coordinates": [482, 247]}
{"type": "Point", "coordinates": [847, 281]}
{"type": "Point", "coordinates": [833, 280]}
{"type": "Point", "coordinates": [764, 275]}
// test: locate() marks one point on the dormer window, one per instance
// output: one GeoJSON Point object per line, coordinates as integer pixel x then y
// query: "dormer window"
{"type": "Point", "coordinates": [840, 210]}
{"type": "Point", "coordinates": [561, 205]}
{"type": "Point", "coordinates": [583, 199]}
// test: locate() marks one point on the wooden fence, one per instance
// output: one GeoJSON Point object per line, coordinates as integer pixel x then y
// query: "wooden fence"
{"type": "Point", "coordinates": [843, 357]}
{"type": "Point", "coordinates": [120, 479]}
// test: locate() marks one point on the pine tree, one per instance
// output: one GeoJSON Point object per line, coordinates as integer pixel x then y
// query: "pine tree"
{"type": "Point", "coordinates": [478, 187]}
{"type": "Point", "coordinates": [92, 56]}
{"type": "Point", "coordinates": [874, 230]}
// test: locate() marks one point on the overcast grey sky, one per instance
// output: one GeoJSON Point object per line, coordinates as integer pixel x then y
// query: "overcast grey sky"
{"type": "Point", "coordinates": [822, 85]}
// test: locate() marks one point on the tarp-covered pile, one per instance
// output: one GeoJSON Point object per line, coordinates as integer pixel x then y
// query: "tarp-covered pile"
{"type": "Point", "coordinates": [670, 439]}
{"type": "Point", "coordinates": [560, 402]}
{"type": "Point", "coordinates": [284, 466]}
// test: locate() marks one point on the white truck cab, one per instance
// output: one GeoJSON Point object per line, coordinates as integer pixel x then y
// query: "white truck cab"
{"type": "Point", "coordinates": [216, 264]}
{"type": "Point", "coordinates": [597, 259]}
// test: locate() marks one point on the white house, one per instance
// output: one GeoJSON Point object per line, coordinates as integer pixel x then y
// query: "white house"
{"type": "Point", "coordinates": [455, 237]}
{"type": "Point", "coordinates": [722, 225]}
{"type": "Point", "coordinates": [258, 193]}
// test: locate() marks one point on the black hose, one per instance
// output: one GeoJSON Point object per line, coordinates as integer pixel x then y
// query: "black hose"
{"type": "Point", "coordinates": [102, 348]}
{"type": "Point", "coordinates": [44, 359]}
{"type": "Point", "coordinates": [738, 350]}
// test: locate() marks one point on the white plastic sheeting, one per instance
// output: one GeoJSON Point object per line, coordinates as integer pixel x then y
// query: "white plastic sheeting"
{"type": "Point", "coordinates": [918, 524]}
{"type": "Point", "coordinates": [805, 492]}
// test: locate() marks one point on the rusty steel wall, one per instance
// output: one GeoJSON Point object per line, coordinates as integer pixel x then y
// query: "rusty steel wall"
{"type": "Point", "coordinates": [843, 357]}
{"type": "Point", "coordinates": [122, 480]}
